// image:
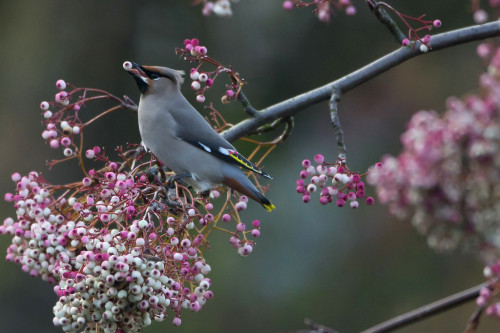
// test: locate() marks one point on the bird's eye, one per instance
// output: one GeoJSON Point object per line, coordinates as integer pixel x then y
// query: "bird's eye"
{"type": "Point", "coordinates": [154, 76]}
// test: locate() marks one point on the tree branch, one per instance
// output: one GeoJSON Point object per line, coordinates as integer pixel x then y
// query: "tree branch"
{"type": "Point", "coordinates": [428, 310]}
{"type": "Point", "coordinates": [295, 104]}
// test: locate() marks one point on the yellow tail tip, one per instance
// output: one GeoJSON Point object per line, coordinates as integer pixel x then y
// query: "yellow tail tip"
{"type": "Point", "coordinates": [269, 207]}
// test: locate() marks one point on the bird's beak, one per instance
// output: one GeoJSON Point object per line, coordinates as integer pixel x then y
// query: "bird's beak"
{"type": "Point", "coordinates": [139, 75]}
{"type": "Point", "coordinates": [134, 69]}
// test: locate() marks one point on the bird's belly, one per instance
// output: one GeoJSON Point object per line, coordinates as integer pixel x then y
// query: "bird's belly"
{"type": "Point", "coordinates": [183, 158]}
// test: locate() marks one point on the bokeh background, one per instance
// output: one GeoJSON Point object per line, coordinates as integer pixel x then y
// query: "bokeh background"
{"type": "Point", "coordinates": [346, 269]}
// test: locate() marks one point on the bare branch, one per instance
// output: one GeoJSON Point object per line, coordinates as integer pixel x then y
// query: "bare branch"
{"type": "Point", "coordinates": [428, 310]}
{"type": "Point", "coordinates": [295, 104]}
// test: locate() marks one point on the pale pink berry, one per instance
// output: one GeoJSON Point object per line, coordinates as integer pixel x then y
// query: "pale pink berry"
{"type": "Point", "coordinates": [426, 39]}
{"type": "Point", "coordinates": [194, 75]}
{"type": "Point", "coordinates": [287, 5]}
{"type": "Point", "coordinates": [208, 8]}
{"type": "Point", "coordinates": [324, 16]}
{"type": "Point", "coordinates": [255, 233]}
{"type": "Point", "coordinates": [54, 143]}
{"type": "Point", "coordinates": [244, 198]}
{"type": "Point", "coordinates": [195, 85]}
{"type": "Point", "coordinates": [240, 227]}
{"type": "Point", "coordinates": [226, 218]}
{"type": "Point", "coordinates": [405, 42]}
{"type": "Point", "coordinates": [60, 84]}
{"type": "Point", "coordinates": [483, 50]}
{"type": "Point", "coordinates": [240, 206]}
{"type": "Point", "coordinates": [354, 204]}
{"type": "Point", "coordinates": [86, 181]}
{"type": "Point", "coordinates": [229, 93]}
{"type": "Point", "coordinates": [176, 321]}
{"type": "Point", "coordinates": [44, 105]}
{"type": "Point", "coordinates": [16, 176]}
{"type": "Point", "coordinates": [65, 141]}
{"type": "Point", "coordinates": [437, 23]}
{"type": "Point", "coordinates": [202, 50]}
{"type": "Point", "coordinates": [480, 16]}
{"type": "Point", "coordinates": [200, 98]}
{"type": "Point", "coordinates": [203, 77]}
{"type": "Point", "coordinates": [319, 159]}
{"type": "Point", "coordinates": [127, 65]}
{"type": "Point", "coordinates": [90, 153]}
{"type": "Point", "coordinates": [351, 11]}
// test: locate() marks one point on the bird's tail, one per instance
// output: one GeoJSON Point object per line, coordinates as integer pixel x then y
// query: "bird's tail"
{"type": "Point", "coordinates": [242, 184]}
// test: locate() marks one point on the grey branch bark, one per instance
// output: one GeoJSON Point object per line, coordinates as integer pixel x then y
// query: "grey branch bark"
{"type": "Point", "coordinates": [428, 310]}
{"type": "Point", "coordinates": [295, 104]}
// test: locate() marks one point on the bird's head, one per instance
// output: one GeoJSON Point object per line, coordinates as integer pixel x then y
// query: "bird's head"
{"type": "Point", "coordinates": [152, 78]}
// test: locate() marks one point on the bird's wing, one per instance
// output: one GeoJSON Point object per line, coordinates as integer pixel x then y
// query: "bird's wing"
{"type": "Point", "coordinates": [191, 127]}
{"type": "Point", "coordinates": [230, 155]}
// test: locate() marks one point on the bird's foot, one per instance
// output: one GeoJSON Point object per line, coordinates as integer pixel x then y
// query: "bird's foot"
{"type": "Point", "coordinates": [170, 183]}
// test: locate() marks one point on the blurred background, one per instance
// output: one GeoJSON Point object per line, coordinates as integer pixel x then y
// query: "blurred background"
{"type": "Point", "coordinates": [346, 269]}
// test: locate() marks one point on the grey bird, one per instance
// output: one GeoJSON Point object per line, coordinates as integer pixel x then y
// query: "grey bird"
{"type": "Point", "coordinates": [175, 132]}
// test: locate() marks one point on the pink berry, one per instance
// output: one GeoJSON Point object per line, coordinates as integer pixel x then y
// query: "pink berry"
{"type": "Point", "coordinates": [256, 223]}
{"type": "Point", "coordinates": [44, 105]}
{"type": "Point", "coordinates": [202, 50]}
{"type": "Point", "coordinates": [229, 93]}
{"type": "Point", "coordinates": [319, 159]}
{"type": "Point", "coordinates": [351, 11]}
{"type": "Point", "coordinates": [370, 201]}
{"type": "Point", "coordinates": [437, 23]}
{"type": "Point", "coordinates": [405, 42]}
{"type": "Point", "coordinates": [287, 5]}
{"type": "Point", "coordinates": [200, 98]}
{"type": "Point", "coordinates": [60, 84]}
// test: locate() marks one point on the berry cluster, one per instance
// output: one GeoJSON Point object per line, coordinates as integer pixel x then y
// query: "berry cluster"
{"type": "Point", "coordinates": [124, 245]}
{"type": "Point", "coordinates": [346, 186]}
{"type": "Point", "coordinates": [447, 178]}
{"type": "Point", "coordinates": [488, 296]}
{"type": "Point", "coordinates": [203, 80]}
{"type": "Point", "coordinates": [413, 37]}
{"type": "Point", "coordinates": [324, 8]}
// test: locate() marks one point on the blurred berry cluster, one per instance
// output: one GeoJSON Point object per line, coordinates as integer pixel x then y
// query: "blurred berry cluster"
{"type": "Point", "coordinates": [447, 178]}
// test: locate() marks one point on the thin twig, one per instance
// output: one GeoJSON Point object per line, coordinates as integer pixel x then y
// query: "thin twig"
{"type": "Point", "coordinates": [428, 310]}
{"type": "Point", "coordinates": [473, 321]}
{"type": "Point", "coordinates": [247, 107]}
{"type": "Point", "coordinates": [385, 19]}
{"type": "Point", "coordinates": [298, 103]}
{"type": "Point", "coordinates": [334, 115]}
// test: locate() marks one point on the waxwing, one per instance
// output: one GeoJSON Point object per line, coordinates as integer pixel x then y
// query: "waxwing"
{"type": "Point", "coordinates": [183, 140]}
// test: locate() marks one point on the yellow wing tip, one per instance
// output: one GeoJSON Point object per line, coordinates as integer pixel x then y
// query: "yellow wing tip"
{"type": "Point", "coordinates": [269, 207]}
